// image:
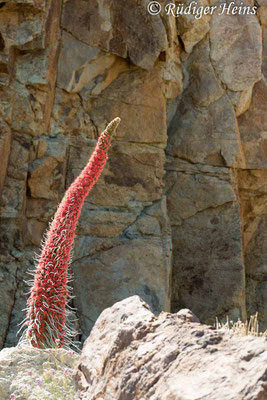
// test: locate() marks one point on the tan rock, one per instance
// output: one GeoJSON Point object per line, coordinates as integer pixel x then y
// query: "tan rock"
{"type": "Point", "coordinates": [172, 75]}
{"type": "Point", "coordinates": [41, 209]}
{"type": "Point", "coordinates": [241, 68]}
{"type": "Point", "coordinates": [255, 253]}
{"type": "Point", "coordinates": [260, 298]}
{"type": "Point", "coordinates": [132, 354]}
{"type": "Point", "coordinates": [190, 27]}
{"type": "Point", "coordinates": [103, 223]}
{"type": "Point", "coordinates": [46, 174]}
{"type": "Point", "coordinates": [13, 198]}
{"type": "Point", "coordinates": [208, 260]}
{"type": "Point", "coordinates": [148, 226]}
{"type": "Point", "coordinates": [74, 54]}
{"type": "Point", "coordinates": [124, 182]}
{"type": "Point", "coordinates": [191, 193]}
{"type": "Point", "coordinates": [6, 95]}
{"type": "Point", "coordinates": [253, 128]}
{"type": "Point", "coordinates": [7, 296]}
{"type": "Point", "coordinates": [69, 117]}
{"type": "Point", "coordinates": [205, 135]}
{"type": "Point", "coordinates": [207, 246]}
{"type": "Point", "coordinates": [262, 14]}
{"type": "Point", "coordinates": [139, 111]}
{"type": "Point", "coordinates": [241, 100]}
{"type": "Point", "coordinates": [34, 232]}
{"type": "Point", "coordinates": [28, 111]}
{"type": "Point", "coordinates": [204, 87]}
{"type": "Point", "coordinates": [253, 198]}
{"type": "Point", "coordinates": [122, 28]}
{"type": "Point", "coordinates": [42, 178]}
{"type": "Point", "coordinates": [264, 51]}
{"type": "Point", "coordinates": [19, 156]}
{"type": "Point", "coordinates": [127, 267]}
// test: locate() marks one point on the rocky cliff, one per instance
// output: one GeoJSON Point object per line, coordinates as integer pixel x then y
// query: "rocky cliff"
{"type": "Point", "coordinates": [179, 215]}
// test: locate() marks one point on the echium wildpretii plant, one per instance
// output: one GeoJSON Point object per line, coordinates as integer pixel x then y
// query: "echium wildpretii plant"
{"type": "Point", "coordinates": [47, 306]}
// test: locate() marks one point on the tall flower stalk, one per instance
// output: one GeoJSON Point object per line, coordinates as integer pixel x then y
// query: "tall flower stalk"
{"type": "Point", "coordinates": [47, 305]}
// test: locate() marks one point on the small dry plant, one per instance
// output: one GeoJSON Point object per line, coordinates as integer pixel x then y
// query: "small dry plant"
{"type": "Point", "coordinates": [240, 328]}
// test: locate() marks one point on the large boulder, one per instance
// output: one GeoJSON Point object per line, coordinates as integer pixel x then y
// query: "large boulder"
{"type": "Point", "coordinates": [132, 354]}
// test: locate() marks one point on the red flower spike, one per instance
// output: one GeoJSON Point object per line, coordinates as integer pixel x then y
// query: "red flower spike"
{"type": "Point", "coordinates": [46, 307]}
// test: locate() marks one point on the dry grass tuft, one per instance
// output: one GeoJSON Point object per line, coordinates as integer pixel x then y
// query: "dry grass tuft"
{"type": "Point", "coordinates": [240, 328]}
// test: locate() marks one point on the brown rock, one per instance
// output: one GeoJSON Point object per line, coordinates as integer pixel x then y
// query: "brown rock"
{"type": "Point", "coordinates": [7, 296]}
{"type": "Point", "coordinates": [253, 127]}
{"type": "Point", "coordinates": [46, 174]}
{"type": "Point", "coordinates": [19, 156]}
{"type": "Point", "coordinates": [125, 180]}
{"type": "Point", "coordinates": [241, 100]}
{"type": "Point", "coordinates": [70, 117]}
{"type": "Point", "coordinates": [262, 14]}
{"type": "Point", "coordinates": [193, 192]}
{"type": "Point", "coordinates": [204, 87]}
{"type": "Point", "coordinates": [264, 52]}
{"type": "Point", "coordinates": [102, 223]}
{"type": "Point", "coordinates": [13, 198]}
{"type": "Point", "coordinates": [74, 54]}
{"type": "Point", "coordinates": [207, 247]}
{"type": "Point", "coordinates": [253, 197]}
{"type": "Point", "coordinates": [28, 111]}
{"type": "Point", "coordinates": [5, 136]}
{"type": "Point", "coordinates": [41, 209]}
{"type": "Point", "coordinates": [23, 33]}
{"type": "Point", "coordinates": [122, 28]}
{"type": "Point", "coordinates": [241, 68]}
{"type": "Point", "coordinates": [125, 268]}
{"type": "Point", "coordinates": [190, 27]}
{"type": "Point", "coordinates": [34, 232]}
{"type": "Point", "coordinates": [208, 260]}
{"type": "Point", "coordinates": [38, 73]}
{"type": "Point", "coordinates": [205, 135]}
{"type": "Point", "coordinates": [130, 97]}
{"type": "Point", "coordinates": [131, 354]}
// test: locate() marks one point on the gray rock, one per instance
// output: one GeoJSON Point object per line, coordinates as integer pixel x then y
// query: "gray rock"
{"type": "Point", "coordinates": [5, 136]}
{"type": "Point", "coordinates": [207, 135]}
{"type": "Point", "coordinates": [131, 354]}
{"type": "Point", "coordinates": [122, 28]}
{"type": "Point", "coordinates": [125, 267]}
{"type": "Point", "coordinates": [73, 55]}
{"type": "Point", "coordinates": [253, 127]}
{"type": "Point", "coordinates": [241, 68]}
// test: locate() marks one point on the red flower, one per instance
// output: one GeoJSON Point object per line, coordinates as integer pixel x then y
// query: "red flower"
{"type": "Point", "coordinates": [46, 306]}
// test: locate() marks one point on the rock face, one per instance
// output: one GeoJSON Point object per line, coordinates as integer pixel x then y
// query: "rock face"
{"type": "Point", "coordinates": [179, 214]}
{"type": "Point", "coordinates": [131, 355]}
